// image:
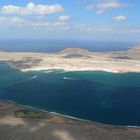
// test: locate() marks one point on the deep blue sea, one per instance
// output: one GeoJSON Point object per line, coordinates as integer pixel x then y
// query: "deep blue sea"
{"type": "Point", "coordinates": [98, 96]}
{"type": "Point", "coordinates": [58, 45]}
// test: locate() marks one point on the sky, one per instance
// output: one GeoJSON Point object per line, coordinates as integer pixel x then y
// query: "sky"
{"type": "Point", "coordinates": [117, 20]}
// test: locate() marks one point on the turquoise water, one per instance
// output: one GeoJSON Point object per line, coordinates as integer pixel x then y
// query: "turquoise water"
{"type": "Point", "coordinates": [98, 96]}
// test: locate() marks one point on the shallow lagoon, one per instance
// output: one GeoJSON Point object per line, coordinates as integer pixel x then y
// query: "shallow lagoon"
{"type": "Point", "coordinates": [98, 96]}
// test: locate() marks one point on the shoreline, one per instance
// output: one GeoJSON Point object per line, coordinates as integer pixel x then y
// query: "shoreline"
{"type": "Point", "coordinates": [68, 116]}
{"type": "Point", "coordinates": [78, 70]}
{"type": "Point", "coordinates": [44, 70]}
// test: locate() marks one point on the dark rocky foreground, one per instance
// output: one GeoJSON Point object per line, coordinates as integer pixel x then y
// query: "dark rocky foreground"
{"type": "Point", "coordinates": [22, 123]}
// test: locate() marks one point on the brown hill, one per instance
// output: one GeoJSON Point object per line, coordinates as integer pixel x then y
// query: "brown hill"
{"type": "Point", "coordinates": [75, 51]}
{"type": "Point", "coordinates": [134, 52]}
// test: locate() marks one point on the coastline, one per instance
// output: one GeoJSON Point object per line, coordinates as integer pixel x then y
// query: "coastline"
{"type": "Point", "coordinates": [76, 70]}
{"type": "Point", "coordinates": [55, 126]}
{"type": "Point", "coordinates": [67, 116]}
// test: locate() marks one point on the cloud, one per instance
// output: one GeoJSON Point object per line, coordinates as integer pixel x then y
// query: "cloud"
{"type": "Point", "coordinates": [89, 6]}
{"type": "Point", "coordinates": [10, 21]}
{"type": "Point", "coordinates": [32, 9]}
{"type": "Point", "coordinates": [34, 25]}
{"type": "Point", "coordinates": [134, 30]}
{"type": "Point", "coordinates": [120, 18]}
{"type": "Point", "coordinates": [64, 18]}
{"type": "Point", "coordinates": [15, 22]}
{"type": "Point", "coordinates": [109, 4]}
{"type": "Point", "coordinates": [91, 28]}
{"type": "Point", "coordinates": [103, 5]}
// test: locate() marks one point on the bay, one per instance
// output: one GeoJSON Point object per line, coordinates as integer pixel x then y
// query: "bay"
{"type": "Point", "coordinates": [98, 96]}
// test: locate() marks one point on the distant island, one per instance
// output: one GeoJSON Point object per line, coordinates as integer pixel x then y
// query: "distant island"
{"type": "Point", "coordinates": [75, 59]}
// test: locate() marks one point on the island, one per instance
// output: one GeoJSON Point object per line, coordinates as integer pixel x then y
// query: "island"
{"type": "Point", "coordinates": [75, 59]}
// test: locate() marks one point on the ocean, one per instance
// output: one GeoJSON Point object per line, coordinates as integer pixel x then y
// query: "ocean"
{"type": "Point", "coordinates": [58, 45]}
{"type": "Point", "coordinates": [103, 97]}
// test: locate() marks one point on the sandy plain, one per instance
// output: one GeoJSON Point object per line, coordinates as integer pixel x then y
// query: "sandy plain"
{"type": "Point", "coordinates": [75, 59]}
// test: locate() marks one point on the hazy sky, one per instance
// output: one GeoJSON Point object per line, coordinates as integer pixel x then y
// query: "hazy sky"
{"type": "Point", "coordinates": [70, 19]}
